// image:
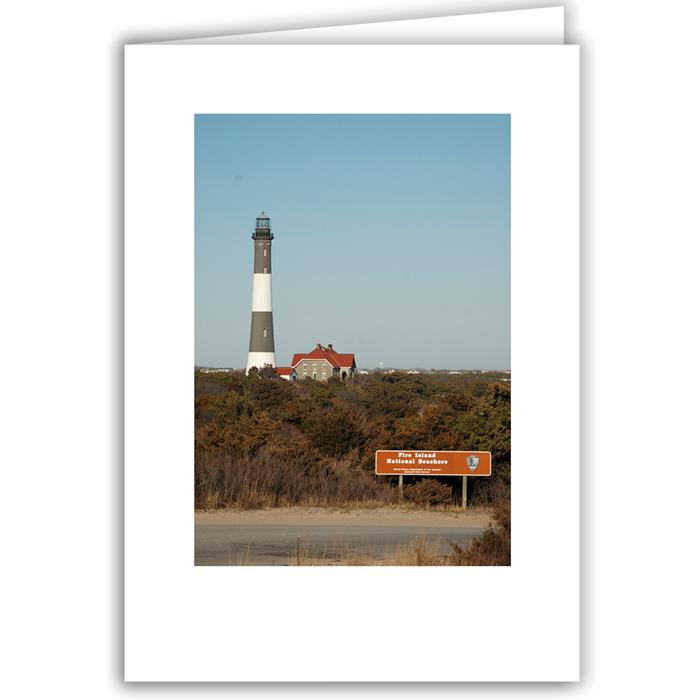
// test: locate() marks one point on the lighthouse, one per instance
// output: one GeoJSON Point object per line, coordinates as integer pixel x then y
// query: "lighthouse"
{"type": "Point", "coordinates": [261, 350]}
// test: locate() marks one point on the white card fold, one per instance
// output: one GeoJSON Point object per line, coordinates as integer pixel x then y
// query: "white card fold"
{"type": "Point", "coordinates": [533, 26]}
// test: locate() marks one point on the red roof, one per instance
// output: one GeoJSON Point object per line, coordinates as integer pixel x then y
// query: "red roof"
{"type": "Point", "coordinates": [336, 359]}
{"type": "Point", "coordinates": [284, 370]}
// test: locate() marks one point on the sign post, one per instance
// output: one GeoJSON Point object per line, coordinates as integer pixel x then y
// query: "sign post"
{"type": "Point", "coordinates": [433, 463]}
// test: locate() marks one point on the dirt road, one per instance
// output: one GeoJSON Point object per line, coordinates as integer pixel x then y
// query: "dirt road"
{"type": "Point", "coordinates": [322, 536]}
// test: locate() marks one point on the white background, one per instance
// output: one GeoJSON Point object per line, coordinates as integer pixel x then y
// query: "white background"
{"type": "Point", "coordinates": [186, 623]}
{"type": "Point", "coordinates": [60, 275]}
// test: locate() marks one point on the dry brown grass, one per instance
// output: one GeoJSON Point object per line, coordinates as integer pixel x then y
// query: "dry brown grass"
{"type": "Point", "coordinates": [481, 552]}
{"type": "Point", "coordinates": [417, 553]}
{"type": "Point", "coordinates": [491, 549]}
{"type": "Point", "coordinates": [266, 481]}
{"type": "Point", "coordinates": [214, 504]}
{"type": "Point", "coordinates": [331, 555]}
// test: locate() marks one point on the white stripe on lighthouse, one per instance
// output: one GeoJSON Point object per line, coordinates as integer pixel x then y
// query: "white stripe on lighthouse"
{"type": "Point", "coordinates": [262, 292]}
{"type": "Point", "coordinates": [260, 359]}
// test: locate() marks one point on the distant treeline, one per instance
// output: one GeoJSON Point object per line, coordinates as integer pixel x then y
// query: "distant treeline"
{"type": "Point", "coordinates": [263, 441]}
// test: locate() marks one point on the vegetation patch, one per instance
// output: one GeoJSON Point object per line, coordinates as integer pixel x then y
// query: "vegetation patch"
{"type": "Point", "coordinates": [263, 441]}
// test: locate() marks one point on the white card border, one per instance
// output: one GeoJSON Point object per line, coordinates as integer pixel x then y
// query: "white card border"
{"type": "Point", "coordinates": [191, 623]}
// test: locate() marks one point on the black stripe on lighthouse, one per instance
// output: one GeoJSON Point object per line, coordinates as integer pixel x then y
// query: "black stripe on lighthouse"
{"type": "Point", "coordinates": [262, 336]}
{"type": "Point", "coordinates": [263, 258]}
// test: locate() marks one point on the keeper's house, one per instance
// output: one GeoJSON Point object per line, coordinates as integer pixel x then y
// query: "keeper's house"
{"type": "Point", "coordinates": [323, 363]}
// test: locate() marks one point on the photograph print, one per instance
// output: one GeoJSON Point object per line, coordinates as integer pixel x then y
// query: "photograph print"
{"type": "Point", "coordinates": [353, 398]}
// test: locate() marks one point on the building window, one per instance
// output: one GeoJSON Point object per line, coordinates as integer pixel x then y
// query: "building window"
{"type": "Point", "coordinates": [304, 369]}
{"type": "Point", "coordinates": [265, 253]}
{"type": "Point", "coordinates": [314, 375]}
{"type": "Point", "coordinates": [264, 332]}
{"type": "Point", "coordinates": [264, 270]}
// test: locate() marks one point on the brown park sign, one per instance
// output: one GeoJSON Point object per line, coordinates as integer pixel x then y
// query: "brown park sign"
{"type": "Point", "coordinates": [432, 463]}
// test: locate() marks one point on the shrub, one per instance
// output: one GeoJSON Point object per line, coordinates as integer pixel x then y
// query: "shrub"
{"type": "Point", "coordinates": [261, 440]}
{"type": "Point", "coordinates": [333, 432]}
{"type": "Point", "coordinates": [429, 492]}
{"type": "Point", "coordinates": [492, 548]}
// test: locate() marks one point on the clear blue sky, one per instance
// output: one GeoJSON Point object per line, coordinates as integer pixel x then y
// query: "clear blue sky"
{"type": "Point", "coordinates": [392, 236]}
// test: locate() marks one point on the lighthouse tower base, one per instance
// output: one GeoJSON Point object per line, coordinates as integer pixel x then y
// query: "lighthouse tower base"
{"type": "Point", "coordinates": [260, 359]}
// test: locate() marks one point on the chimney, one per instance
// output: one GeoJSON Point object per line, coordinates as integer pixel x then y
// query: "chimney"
{"type": "Point", "coordinates": [330, 346]}
{"type": "Point", "coordinates": [318, 346]}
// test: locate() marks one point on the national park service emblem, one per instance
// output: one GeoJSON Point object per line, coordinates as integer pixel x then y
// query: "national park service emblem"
{"type": "Point", "coordinates": [472, 463]}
